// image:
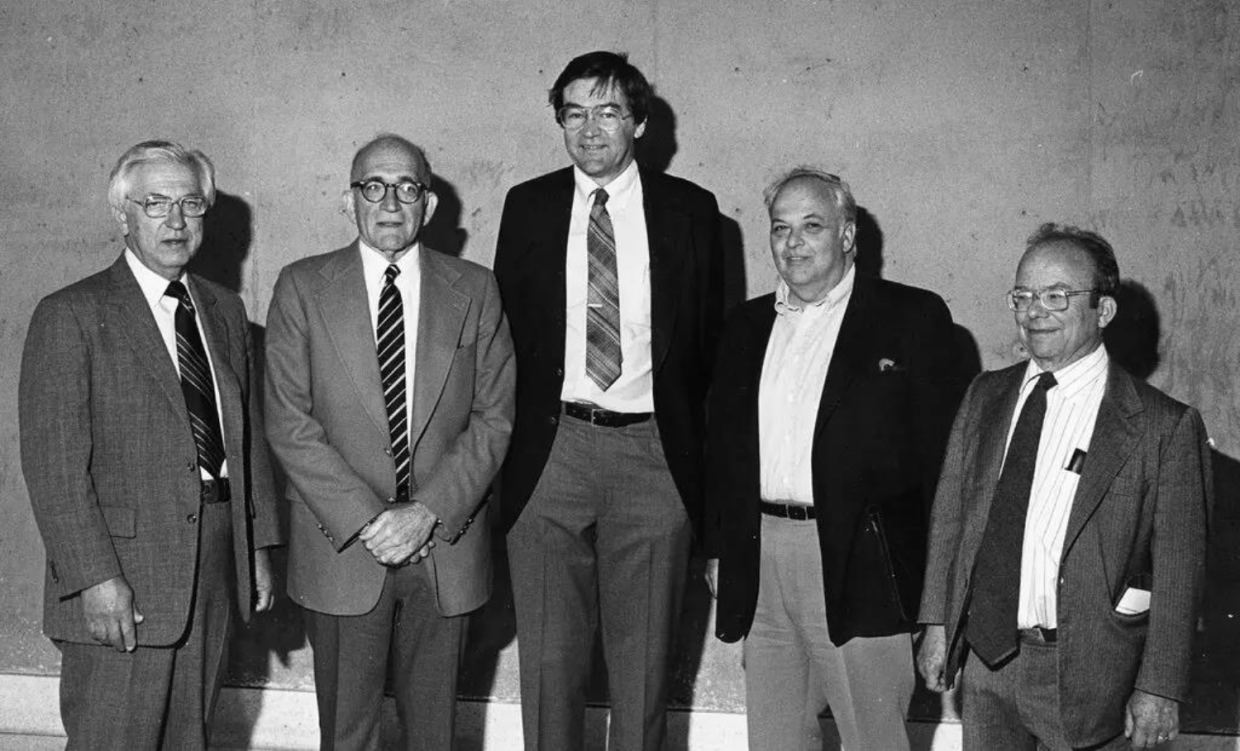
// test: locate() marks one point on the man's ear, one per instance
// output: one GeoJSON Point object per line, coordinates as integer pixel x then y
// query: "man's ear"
{"type": "Point", "coordinates": [1107, 308]}
{"type": "Point", "coordinates": [347, 207]}
{"type": "Point", "coordinates": [122, 220]}
{"type": "Point", "coordinates": [640, 130]}
{"type": "Point", "coordinates": [432, 201]}
{"type": "Point", "coordinates": [848, 233]}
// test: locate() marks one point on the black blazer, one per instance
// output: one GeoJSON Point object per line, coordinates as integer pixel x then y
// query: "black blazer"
{"type": "Point", "coordinates": [682, 222]}
{"type": "Point", "coordinates": [887, 404]}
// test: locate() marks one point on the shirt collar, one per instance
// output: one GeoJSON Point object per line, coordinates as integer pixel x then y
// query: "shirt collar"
{"type": "Point", "coordinates": [374, 263]}
{"type": "Point", "coordinates": [838, 293]}
{"type": "Point", "coordinates": [1072, 378]}
{"type": "Point", "coordinates": [619, 191]}
{"type": "Point", "coordinates": [153, 285]}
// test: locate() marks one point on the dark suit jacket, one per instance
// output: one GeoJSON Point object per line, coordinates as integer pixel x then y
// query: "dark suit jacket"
{"type": "Point", "coordinates": [327, 424]}
{"type": "Point", "coordinates": [1138, 519]}
{"type": "Point", "coordinates": [109, 456]}
{"type": "Point", "coordinates": [682, 222]}
{"type": "Point", "coordinates": [887, 403]}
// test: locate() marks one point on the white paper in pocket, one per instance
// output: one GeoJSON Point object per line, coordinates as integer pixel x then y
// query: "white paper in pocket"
{"type": "Point", "coordinates": [1134, 602]}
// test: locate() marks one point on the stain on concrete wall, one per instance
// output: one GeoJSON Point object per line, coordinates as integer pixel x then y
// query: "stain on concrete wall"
{"type": "Point", "coordinates": [960, 125]}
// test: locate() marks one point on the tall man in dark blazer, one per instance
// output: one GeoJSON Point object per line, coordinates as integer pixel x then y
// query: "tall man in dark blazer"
{"type": "Point", "coordinates": [1068, 535]}
{"type": "Point", "coordinates": [390, 382]}
{"type": "Point", "coordinates": [829, 412]}
{"type": "Point", "coordinates": [143, 453]}
{"type": "Point", "coordinates": [610, 276]}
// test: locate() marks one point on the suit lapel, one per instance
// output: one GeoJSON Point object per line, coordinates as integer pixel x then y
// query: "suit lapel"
{"type": "Point", "coordinates": [346, 316]}
{"type": "Point", "coordinates": [996, 420]}
{"type": "Point", "coordinates": [1116, 432]}
{"type": "Point", "coordinates": [133, 318]}
{"type": "Point", "coordinates": [441, 316]}
{"type": "Point", "coordinates": [666, 227]}
{"type": "Point", "coordinates": [846, 359]}
{"type": "Point", "coordinates": [218, 341]}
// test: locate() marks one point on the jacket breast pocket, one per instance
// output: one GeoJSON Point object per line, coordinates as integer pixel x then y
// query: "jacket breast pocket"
{"type": "Point", "coordinates": [120, 521]}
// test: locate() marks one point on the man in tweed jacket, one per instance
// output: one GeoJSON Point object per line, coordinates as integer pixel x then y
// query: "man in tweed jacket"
{"type": "Point", "coordinates": [1093, 649]}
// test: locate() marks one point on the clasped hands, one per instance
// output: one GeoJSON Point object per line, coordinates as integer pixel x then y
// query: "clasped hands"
{"type": "Point", "coordinates": [400, 535]}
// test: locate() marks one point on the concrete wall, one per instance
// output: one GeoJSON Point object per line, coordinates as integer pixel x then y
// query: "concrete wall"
{"type": "Point", "coordinates": [961, 126]}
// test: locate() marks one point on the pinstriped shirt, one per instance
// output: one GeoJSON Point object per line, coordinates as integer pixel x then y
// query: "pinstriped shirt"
{"type": "Point", "coordinates": [1071, 411]}
{"type": "Point", "coordinates": [164, 309]}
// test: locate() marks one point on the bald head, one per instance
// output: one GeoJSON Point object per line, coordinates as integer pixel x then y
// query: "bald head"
{"type": "Point", "coordinates": [389, 147]}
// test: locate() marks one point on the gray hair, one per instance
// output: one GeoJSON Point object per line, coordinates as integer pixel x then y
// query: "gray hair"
{"type": "Point", "coordinates": [841, 194]}
{"type": "Point", "coordinates": [159, 151]}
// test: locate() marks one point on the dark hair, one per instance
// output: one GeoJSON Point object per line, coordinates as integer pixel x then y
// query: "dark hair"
{"type": "Point", "coordinates": [611, 69]}
{"type": "Point", "coordinates": [1100, 252]}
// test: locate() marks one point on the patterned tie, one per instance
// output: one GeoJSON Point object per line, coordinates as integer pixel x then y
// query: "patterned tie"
{"type": "Point", "coordinates": [996, 574]}
{"type": "Point", "coordinates": [603, 357]}
{"type": "Point", "coordinates": [391, 350]}
{"type": "Point", "coordinates": [197, 385]}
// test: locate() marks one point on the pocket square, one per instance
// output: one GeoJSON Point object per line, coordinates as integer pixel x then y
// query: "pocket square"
{"type": "Point", "coordinates": [887, 365]}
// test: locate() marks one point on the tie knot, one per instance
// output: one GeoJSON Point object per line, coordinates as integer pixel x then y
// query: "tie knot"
{"type": "Point", "coordinates": [391, 273]}
{"type": "Point", "coordinates": [600, 198]}
{"type": "Point", "coordinates": [178, 291]}
{"type": "Point", "coordinates": [1047, 381]}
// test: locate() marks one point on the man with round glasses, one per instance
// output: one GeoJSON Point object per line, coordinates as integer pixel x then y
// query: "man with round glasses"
{"type": "Point", "coordinates": [389, 401]}
{"type": "Point", "coordinates": [156, 506]}
{"type": "Point", "coordinates": [610, 275]}
{"type": "Point", "coordinates": [1068, 533]}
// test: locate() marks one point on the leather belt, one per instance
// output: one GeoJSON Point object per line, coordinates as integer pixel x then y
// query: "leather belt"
{"type": "Point", "coordinates": [1039, 635]}
{"type": "Point", "coordinates": [604, 417]}
{"type": "Point", "coordinates": [216, 491]}
{"type": "Point", "coordinates": [796, 511]}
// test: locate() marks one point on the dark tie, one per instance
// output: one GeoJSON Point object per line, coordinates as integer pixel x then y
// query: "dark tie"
{"type": "Point", "coordinates": [996, 574]}
{"type": "Point", "coordinates": [196, 383]}
{"type": "Point", "coordinates": [391, 349]}
{"type": "Point", "coordinates": [603, 356]}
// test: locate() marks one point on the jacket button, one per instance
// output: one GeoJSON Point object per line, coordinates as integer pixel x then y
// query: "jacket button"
{"type": "Point", "coordinates": [190, 466]}
{"type": "Point", "coordinates": [192, 518]}
{"type": "Point", "coordinates": [559, 372]}
{"type": "Point", "coordinates": [553, 420]}
{"type": "Point", "coordinates": [387, 450]}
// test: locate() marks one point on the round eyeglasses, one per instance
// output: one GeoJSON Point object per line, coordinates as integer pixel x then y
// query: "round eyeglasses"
{"type": "Point", "coordinates": [407, 191]}
{"type": "Point", "coordinates": [158, 207]}
{"type": "Point", "coordinates": [1053, 299]}
{"type": "Point", "coordinates": [609, 117]}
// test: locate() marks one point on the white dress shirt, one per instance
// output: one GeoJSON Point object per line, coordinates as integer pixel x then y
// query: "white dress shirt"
{"type": "Point", "coordinates": [633, 391]}
{"type": "Point", "coordinates": [164, 309]}
{"type": "Point", "coordinates": [409, 285]}
{"type": "Point", "coordinates": [1071, 410]}
{"type": "Point", "coordinates": [798, 356]}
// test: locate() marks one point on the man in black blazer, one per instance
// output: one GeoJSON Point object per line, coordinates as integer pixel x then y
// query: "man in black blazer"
{"type": "Point", "coordinates": [610, 280]}
{"type": "Point", "coordinates": [830, 409]}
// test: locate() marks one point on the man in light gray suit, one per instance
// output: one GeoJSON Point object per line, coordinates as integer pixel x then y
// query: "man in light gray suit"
{"type": "Point", "coordinates": [142, 450]}
{"type": "Point", "coordinates": [1068, 534]}
{"type": "Point", "coordinates": [390, 379]}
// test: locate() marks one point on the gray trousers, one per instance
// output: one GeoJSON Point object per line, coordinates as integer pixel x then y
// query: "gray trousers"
{"type": "Point", "coordinates": [793, 672]}
{"type": "Point", "coordinates": [603, 543]}
{"type": "Point", "coordinates": [157, 697]}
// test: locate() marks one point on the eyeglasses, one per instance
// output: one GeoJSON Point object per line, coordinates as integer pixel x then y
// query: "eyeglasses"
{"type": "Point", "coordinates": [158, 207]}
{"type": "Point", "coordinates": [407, 191]}
{"type": "Point", "coordinates": [609, 117]}
{"type": "Point", "coordinates": [1052, 299]}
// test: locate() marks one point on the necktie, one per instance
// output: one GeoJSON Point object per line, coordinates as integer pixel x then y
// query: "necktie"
{"type": "Point", "coordinates": [197, 386]}
{"type": "Point", "coordinates": [391, 350]}
{"type": "Point", "coordinates": [996, 575]}
{"type": "Point", "coordinates": [603, 356]}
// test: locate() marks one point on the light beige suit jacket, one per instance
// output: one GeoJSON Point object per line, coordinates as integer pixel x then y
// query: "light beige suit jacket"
{"type": "Point", "coordinates": [327, 425]}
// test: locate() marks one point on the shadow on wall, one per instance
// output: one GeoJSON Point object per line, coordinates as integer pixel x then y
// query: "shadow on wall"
{"type": "Point", "coordinates": [444, 232]}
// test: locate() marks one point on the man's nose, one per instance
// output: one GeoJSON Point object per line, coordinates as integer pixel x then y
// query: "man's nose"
{"type": "Point", "coordinates": [389, 202]}
{"type": "Point", "coordinates": [176, 217]}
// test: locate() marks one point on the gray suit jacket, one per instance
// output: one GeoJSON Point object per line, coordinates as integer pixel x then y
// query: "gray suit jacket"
{"type": "Point", "coordinates": [327, 425]}
{"type": "Point", "coordinates": [1138, 520]}
{"type": "Point", "coordinates": [109, 457]}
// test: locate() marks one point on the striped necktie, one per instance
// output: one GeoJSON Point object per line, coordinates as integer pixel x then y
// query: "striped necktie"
{"type": "Point", "coordinates": [391, 350]}
{"type": "Point", "coordinates": [603, 356]}
{"type": "Point", "coordinates": [197, 386]}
